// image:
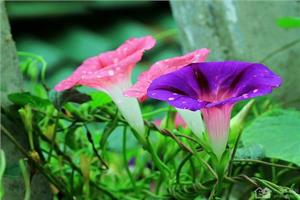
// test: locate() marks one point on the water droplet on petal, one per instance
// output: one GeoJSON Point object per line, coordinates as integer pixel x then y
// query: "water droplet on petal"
{"type": "Point", "coordinates": [254, 91]}
{"type": "Point", "coordinates": [171, 98]}
{"type": "Point", "coordinates": [175, 93]}
{"type": "Point", "coordinates": [245, 95]}
{"type": "Point", "coordinates": [111, 72]}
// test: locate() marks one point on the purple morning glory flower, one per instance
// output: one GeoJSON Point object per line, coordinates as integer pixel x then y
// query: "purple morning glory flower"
{"type": "Point", "coordinates": [213, 88]}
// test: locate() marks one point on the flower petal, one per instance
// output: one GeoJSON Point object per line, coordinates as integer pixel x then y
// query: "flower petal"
{"type": "Point", "coordinates": [109, 68]}
{"type": "Point", "coordinates": [214, 83]}
{"type": "Point", "coordinates": [183, 94]}
{"type": "Point", "coordinates": [139, 90]}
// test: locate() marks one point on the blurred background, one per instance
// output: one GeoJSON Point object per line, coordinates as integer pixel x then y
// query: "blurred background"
{"type": "Point", "coordinates": [66, 33]}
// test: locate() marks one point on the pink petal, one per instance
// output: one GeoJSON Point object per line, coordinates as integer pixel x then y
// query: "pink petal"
{"type": "Point", "coordinates": [178, 121]}
{"type": "Point", "coordinates": [108, 68]}
{"type": "Point", "coordinates": [139, 90]}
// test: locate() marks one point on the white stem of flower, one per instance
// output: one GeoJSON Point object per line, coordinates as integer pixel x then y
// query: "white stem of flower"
{"type": "Point", "coordinates": [129, 107]}
{"type": "Point", "coordinates": [193, 120]}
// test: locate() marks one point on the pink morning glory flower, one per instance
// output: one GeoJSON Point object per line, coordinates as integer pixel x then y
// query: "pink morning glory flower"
{"type": "Point", "coordinates": [139, 89]}
{"type": "Point", "coordinates": [214, 88]}
{"type": "Point", "coordinates": [111, 72]}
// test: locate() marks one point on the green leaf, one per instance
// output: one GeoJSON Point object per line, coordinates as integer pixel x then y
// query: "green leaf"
{"type": "Point", "coordinates": [255, 151]}
{"type": "Point", "coordinates": [70, 138]}
{"type": "Point", "coordinates": [27, 98]}
{"type": "Point", "coordinates": [278, 132]}
{"type": "Point", "coordinates": [99, 99]}
{"type": "Point", "coordinates": [289, 22]}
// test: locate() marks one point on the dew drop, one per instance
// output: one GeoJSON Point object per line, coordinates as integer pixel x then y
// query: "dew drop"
{"type": "Point", "coordinates": [175, 94]}
{"type": "Point", "coordinates": [171, 98]}
{"type": "Point", "coordinates": [111, 72]}
{"type": "Point", "coordinates": [245, 95]}
{"type": "Point", "coordinates": [254, 91]}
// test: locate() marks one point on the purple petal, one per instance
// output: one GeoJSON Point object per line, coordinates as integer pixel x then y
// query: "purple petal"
{"type": "Point", "coordinates": [184, 94]}
{"type": "Point", "coordinates": [211, 84]}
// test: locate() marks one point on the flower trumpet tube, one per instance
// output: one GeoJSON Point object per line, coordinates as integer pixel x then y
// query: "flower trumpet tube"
{"type": "Point", "coordinates": [139, 89]}
{"type": "Point", "coordinates": [214, 88]}
{"type": "Point", "coordinates": [111, 72]}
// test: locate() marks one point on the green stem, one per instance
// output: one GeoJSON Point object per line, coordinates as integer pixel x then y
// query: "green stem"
{"type": "Point", "coordinates": [188, 156]}
{"type": "Point", "coordinates": [267, 163]}
{"type": "Point", "coordinates": [90, 139]}
{"type": "Point", "coordinates": [193, 169]}
{"type": "Point", "coordinates": [278, 189]}
{"type": "Point", "coordinates": [276, 51]}
{"type": "Point", "coordinates": [125, 158]}
{"type": "Point", "coordinates": [26, 178]}
{"type": "Point", "coordinates": [213, 192]}
{"type": "Point", "coordinates": [30, 138]}
{"type": "Point", "coordinates": [230, 167]}
{"type": "Point", "coordinates": [54, 137]}
{"type": "Point", "coordinates": [166, 34]}
{"type": "Point", "coordinates": [159, 164]}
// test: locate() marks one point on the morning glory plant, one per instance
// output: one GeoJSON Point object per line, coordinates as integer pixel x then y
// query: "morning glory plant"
{"type": "Point", "coordinates": [139, 89]}
{"type": "Point", "coordinates": [111, 72]}
{"type": "Point", "coordinates": [214, 88]}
